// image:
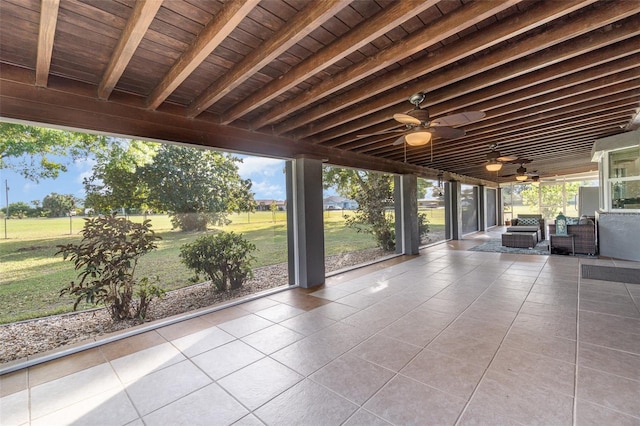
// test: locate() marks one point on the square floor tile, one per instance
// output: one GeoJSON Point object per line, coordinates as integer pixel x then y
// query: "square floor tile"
{"type": "Point", "coordinates": [202, 341]}
{"type": "Point", "coordinates": [166, 386]}
{"type": "Point", "coordinates": [14, 408]}
{"type": "Point", "coordinates": [611, 361]}
{"type": "Point", "coordinates": [335, 311]}
{"type": "Point", "coordinates": [307, 404]}
{"type": "Point", "coordinates": [226, 359]}
{"type": "Point", "coordinates": [467, 349]}
{"type": "Point", "coordinates": [554, 347]}
{"type": "Point", "coordinates": [448, 374]}
{"type": "Point", "coordinates": [206, 406]}
{"type": "Point", "coordinates": [280, 312]}
{"type": "Point", "coordinates": [245, 325]}
{"type": "Point", "coordinates": [107, 408]}
{"type": "Point", "coordinates": [146, 361]}
{"type": "Point", "coordinates": [309, 322]}
{"type": "Point", "coordinates": [609, 391]}
{"type": "Point", "coordinates": [352, 377]}
{"type": "Point", "coordinates": [68, 390]}
{"type": "Point", "coordinates": [405, 401]}
{"type": "Point", "coordinates": [259, 382]}
{"type": "Point", "coordinates": [386, 352]}
{"type": "Point", "coordinates": [271, 339]}
{"type": "Point", "coordinates": [588, 414]}
{"type": "Point", "coordinates": [365, 418]}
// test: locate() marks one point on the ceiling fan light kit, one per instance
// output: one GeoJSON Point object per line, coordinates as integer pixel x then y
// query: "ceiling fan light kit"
{"type": "Point", "coordinates": [494, 166]}
{"type": "Point", "coordinates": [418, 138]}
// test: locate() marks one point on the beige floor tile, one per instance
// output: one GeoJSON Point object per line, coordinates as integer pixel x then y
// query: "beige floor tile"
{"type": "Point", "coordinates": [226, 359]}
{"type": "Point", "coordinates": [482, 415]}
{"type": "Point", "coordinates": [223, 315]}
{"type": "Point", "coordinates": [628, 309]}
{"type": "Point", "coordinates": [335, 311]}
{"type": "Point", "coordinates": [445, 373]}
{"type": "Point", "coordinates": [257, 305]}
{"type": "Point", "coordinates": [405, 401]}
{"type": "Point", "coordinates": [541, 371]}
{"type": "Point", "coordinates": [249, 420]}
{"type": "Point", "coordinates": [513, 397]}
{"type": "Point", "coordinates": [610, 361]}
{"type": "Point", "coordinates": [353, 378]}
{"type": "Point", "coordinates": [205, 406]}
{"type": "Point", "coordinates": [244, 326]}
{"type": "Point", "coordinates": [13, 382]}
{"type": "Point", "coordinates": [588, 414]}
{"type": "Point", "coordinates": [60, 393]}
{"type": "Point", "coordinates": [130, 345]}
{"type": "Point", "coordinates": [108, 408]}
{"type": "Point", "coordinates": [466, 349]}
{"type": "Point", "coordinates": [311, 321]}
{"type": "Point", "coordinates": [331, 293]}
{"type": "Point", "coordinates": [446, 306]}
{"type": "Point", "coordinates": [165, 386]}
{"type": "Point", "coordinates": [259, 382]}
{"type": "Point", "coordinates": [609, 391]}
{"type": "Point", "coordinates": [554, 347]}
{"type": "Point", "coordinates": [271, 339]}
{"type": "Point", "coordinates": [183, 328]}
{"type": "Point", "coordinates": [202, 341]}
{"type": "Point", "coordinates": [132, 367]}
{"type": "Point", "coordinates": [61, 367]}
{"type": "Point", "coordinates": [307, 403]}
{"type": "Point", "coordinates": [601, 296]}
{"type": "Point", "coordinates": [14, 408]}
{"type": "Point", "coordinates": [410, 329]}
{"type": "Point", "coordinates": [365, 418]}
{"type": "Point", "coordinates": [386, 352]}
{"type": "Point", "coordinates": [278, 313]}
{"type": "Point", "coordinates": [358, 301]}
{"type": "Point", "coordinates": [554, 326]}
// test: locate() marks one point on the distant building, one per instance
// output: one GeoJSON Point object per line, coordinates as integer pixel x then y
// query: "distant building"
{"type": "Point", "coordinates": [338, 203]}
{"type": "Point", "coordinates": [265, 205]}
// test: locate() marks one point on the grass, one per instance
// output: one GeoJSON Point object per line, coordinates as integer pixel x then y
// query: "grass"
{"type": "Point", "coordinates": [31, 277]}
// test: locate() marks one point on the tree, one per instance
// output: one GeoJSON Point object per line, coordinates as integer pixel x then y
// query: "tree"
{"type": "Point", "coordinates": [373, 192]}
{"type": "Point", "coordinates": [58, 205]}
{"type": "Point", "coordinates": [115, 181]}
{"type": "Point", "coordinates": [551, 197]}
{"type": "Point", "coordinates": [197, 186]}
{"type": "Point", "coordinates": [40, 153]}
{"type": "Point", "coordinates": [19, 210]}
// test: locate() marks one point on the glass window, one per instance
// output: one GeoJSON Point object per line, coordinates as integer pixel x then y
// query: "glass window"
{"type": "Point", "coordinates": [624, 179]}
{"type": "Point", "coordinates": [624, 163]}
{"type": "Point", "coordinates": [431, 210]}
{"type": "Point", "coordinates": [625, 194]}
{"type": "Point", "coordinates": [469, 206]}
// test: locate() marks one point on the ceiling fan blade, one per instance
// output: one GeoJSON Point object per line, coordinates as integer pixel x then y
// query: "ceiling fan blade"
{"type": "Point", "coordinates": [399, 141]}
{"type": "Point", "coordinates": [507, 158]}
{"type": "Point", "coordinates": [447, 132]}
{"type": "Point", "coordinates": [458, 119]}
{"type": "Point", "coordinates": [384, 132]}
{"type": "Point", "coordinates": [406, 119]}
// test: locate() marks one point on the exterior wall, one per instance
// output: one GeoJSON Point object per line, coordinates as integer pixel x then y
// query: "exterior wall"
{"type": "Point", "coordinates": [619, 235]}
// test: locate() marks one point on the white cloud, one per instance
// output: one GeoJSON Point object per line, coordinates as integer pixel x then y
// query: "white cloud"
{"type": "Point", "coordinates": [260, 166]}
{"type": "Point", "coordinates": [268, 190]}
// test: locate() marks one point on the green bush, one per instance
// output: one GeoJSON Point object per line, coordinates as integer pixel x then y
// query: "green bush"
{"type": "Point", "coordinates": [107, 257]}
{"type": "Point", "coordinates": [225, 257]}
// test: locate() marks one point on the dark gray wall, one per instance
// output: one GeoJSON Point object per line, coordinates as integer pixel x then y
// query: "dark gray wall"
{"type": "Point", "coordinates": [619, 235]}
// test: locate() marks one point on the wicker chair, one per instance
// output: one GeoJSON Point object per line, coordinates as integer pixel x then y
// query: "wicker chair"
{"type": "Point", "coordinates": [584, 238]}
{"type": "Point", "coordinates": [514, 224]}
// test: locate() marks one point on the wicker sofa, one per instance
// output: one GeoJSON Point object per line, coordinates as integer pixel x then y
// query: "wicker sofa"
{"type": "Point", "coordinates": [584, 239]}
{"type": "Point", "coordinates": [530, 219]}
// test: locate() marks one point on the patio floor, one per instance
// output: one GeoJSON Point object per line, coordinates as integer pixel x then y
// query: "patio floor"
{"type": "Point", "coordinates": [448, 337]}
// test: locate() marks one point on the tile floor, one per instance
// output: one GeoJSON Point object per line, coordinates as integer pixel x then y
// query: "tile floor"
{"type": "Point", "coordinates": [449, 337]}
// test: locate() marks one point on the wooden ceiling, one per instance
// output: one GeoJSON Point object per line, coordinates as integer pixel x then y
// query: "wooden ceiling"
{"type": "Point", "coordinates": [309, 78]}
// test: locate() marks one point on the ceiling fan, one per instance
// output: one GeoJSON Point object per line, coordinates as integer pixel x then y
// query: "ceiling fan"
{"type": "Point", "coordinates": [522, 174]}
{"type": "Point", "coordinates": [419, 130]}
{"type": "Point", "coordinates": [495, 159]}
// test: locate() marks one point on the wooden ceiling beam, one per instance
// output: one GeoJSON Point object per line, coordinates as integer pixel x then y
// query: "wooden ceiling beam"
{"type": "Point", "coordinates": [220, 26]}
{"type": "Point", "coordinates": [447, 26]}
{"type": "Point", "coordinates": [46, 34]}
{"type": "Point", "coordinates": [497, 86]}
{"type": "Point", "coordinates": [366, 32]}
{"type": "Point", "coordinates": [588, 21]}
{"type": "Point", "coordinates": [141, 17]}
{"type": "Point", "coordinates": [304, 22]}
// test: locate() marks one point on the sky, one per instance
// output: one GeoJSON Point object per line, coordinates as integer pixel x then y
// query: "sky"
{"type": "Point", "coordinates": [267, 175]}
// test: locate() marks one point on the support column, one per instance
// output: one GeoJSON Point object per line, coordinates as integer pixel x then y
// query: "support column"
{"type": "Point", "coordinates": [405, 192]}
{"type": "Point", "coordinates": [452, 211]}
{"type": "Point", "coordinates": [482, 208]}
{"type": "Point", "coordinates": [305, 230]}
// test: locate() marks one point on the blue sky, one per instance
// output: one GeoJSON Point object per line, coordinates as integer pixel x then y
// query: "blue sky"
{"type": "Point", "coordinates": [266, 174]}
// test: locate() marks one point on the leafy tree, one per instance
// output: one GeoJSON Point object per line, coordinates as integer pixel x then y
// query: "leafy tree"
{"type": "Point", "coordinates": [40, 153]}
{"type": "Point", "coordinates": [107, 258]}
{"type": "Point", "coordinates": [115, 180]}
{"type": "Point", "coordinates": [373, 192]}
{"type": "Point", "coordinates": [20, 210]}
{"type": "Point", "coordinates": [197, 186]}
{"type": "Point", "coordinates": [551, 195]}
{"type": "Point", "coordinates": [58, 205]}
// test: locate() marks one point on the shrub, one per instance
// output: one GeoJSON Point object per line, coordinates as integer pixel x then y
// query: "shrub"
{"type": "Point", "coordinates": [225, 257]}
{"type": "Point", "coordinates": [107, 258]}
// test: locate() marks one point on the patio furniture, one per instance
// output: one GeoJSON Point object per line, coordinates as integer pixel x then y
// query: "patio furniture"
{"type": "Point", "coordinates": [527, 220]}
{"type": "Point", "coordinates": [526, 229]}
{"type": "Point", "coordinates": [554, 243]}
{"type": "Point", "coordinates": [584, 239]}
{"type": "Point", "coordinates": [520, 239]}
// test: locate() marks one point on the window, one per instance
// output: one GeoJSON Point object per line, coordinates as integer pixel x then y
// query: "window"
{"type": "Point", "coordinates": [624, 179]}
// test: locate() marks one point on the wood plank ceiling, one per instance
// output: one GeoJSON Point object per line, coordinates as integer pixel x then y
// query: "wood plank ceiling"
{"type": "Point", "coordinates": [301, 77]}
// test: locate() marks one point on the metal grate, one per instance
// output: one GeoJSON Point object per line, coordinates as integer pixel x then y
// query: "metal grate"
{"type": "Point", "coordinates": [611, 273]}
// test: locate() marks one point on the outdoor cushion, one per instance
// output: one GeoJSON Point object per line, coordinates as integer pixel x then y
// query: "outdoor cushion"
{"type": "Point", "coordinates": [528, 221]}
